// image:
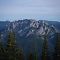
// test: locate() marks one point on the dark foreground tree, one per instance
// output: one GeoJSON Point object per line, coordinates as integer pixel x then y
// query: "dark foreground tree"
{"type": "Point", "coordinates": [57, 48]}
{"type": "Point", "coordinates": [30, 56]}
{"type": "Point", "coordinates": [11, 46]}
{"type": "Point", "coordinates": [19, 54]}
{"type": "Point", "coordinates": [2, 50]}
{"type": "Point", "coordinates": [44, 50]}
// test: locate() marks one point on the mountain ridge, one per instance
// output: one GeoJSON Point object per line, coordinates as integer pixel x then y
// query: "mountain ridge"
{"type": "Point", "coordinates": [30, 32]}
{"type": "Point", "coordinates": [30, 26]}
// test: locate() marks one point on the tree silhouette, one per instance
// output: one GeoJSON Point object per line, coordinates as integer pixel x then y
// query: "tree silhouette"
{"type": "Point", "coordinates": [45, 48]}
{"type": "Point", "coordinates": [35, 49]}
{"type": "Point", "coordinates": [30, 57]}
{"type": "Point", "coordinates": [20, 54]}
{"type": "Point", "coordinates": [57, 48]}
{"type": "Point", "coordinates": [11, 46]}
{"type": "Point", "coordinates": [1, 50]}
{"type": "Point", "coordinates": [35, 55]}
{"type": "Point", "coordinates": [45, 43]}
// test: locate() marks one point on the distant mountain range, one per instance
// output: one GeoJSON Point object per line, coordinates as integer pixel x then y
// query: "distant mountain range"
{"type": "Point", "coordinates": [30, 33]}
{"type": "Point", "coordinates": [28, 23]}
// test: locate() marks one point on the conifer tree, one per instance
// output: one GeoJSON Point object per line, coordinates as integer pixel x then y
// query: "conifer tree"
{"type": "Point", "coordinates": [57, 48]}
{"type": "Point", "coordinates": [30, 56]}
{"type": "Point", "coordinates": [1, 50]}
{"type": "Point", "coordinates": [20, 54]}
{"type": "Point", "coordinates": [35, 49]}
{"type": "Point", "coordinates": [35, 55]}
{"type": "Point", "coordinates": [11, 46]}
{"type": "Point", "coordinates": [44, 49]}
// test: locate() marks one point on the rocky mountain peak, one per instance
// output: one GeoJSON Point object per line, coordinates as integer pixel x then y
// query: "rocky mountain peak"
{"type": "Point", "coordinates": [28, 27]}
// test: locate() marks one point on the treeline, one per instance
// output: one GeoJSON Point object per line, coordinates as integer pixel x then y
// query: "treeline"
{"type": "Point", "coordinates": [12, 52]}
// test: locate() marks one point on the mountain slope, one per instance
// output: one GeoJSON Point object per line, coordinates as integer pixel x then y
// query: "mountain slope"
{"type": "Point", "coordinates": [29, 33]}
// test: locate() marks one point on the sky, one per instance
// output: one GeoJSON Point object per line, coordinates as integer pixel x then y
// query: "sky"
{"type": "Point", "coordinates": [30, 9]}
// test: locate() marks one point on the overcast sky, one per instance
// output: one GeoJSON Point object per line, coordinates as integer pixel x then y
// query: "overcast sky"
{"type": "Point", "coordinates": [30, 9]}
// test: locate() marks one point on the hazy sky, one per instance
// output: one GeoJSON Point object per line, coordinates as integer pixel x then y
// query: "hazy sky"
{"type": "Point", "coordinates": [30, 9]}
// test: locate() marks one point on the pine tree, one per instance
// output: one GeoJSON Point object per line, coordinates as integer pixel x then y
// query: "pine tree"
{"type": "Point", "coordinates": [30, 54]}
{"type": "Point", "coordinates": [11, 46]}
{"type": "Point", "coordinates": [1, 50]}
{"type": "Point", "coordinates": [35, 55]}
{"type": "Point", "coordinates": [57, 48]}
{"type": "Point", "coordinates": [20, 54]}
{"type": "Point", "coordinates": [45, 46]}
{"type": "Point", "coordinates": [30, 57]}
{"type": "Point", "coordinates": [35, 49]}
{"type": "Point", "coordinates": [44, 50]}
